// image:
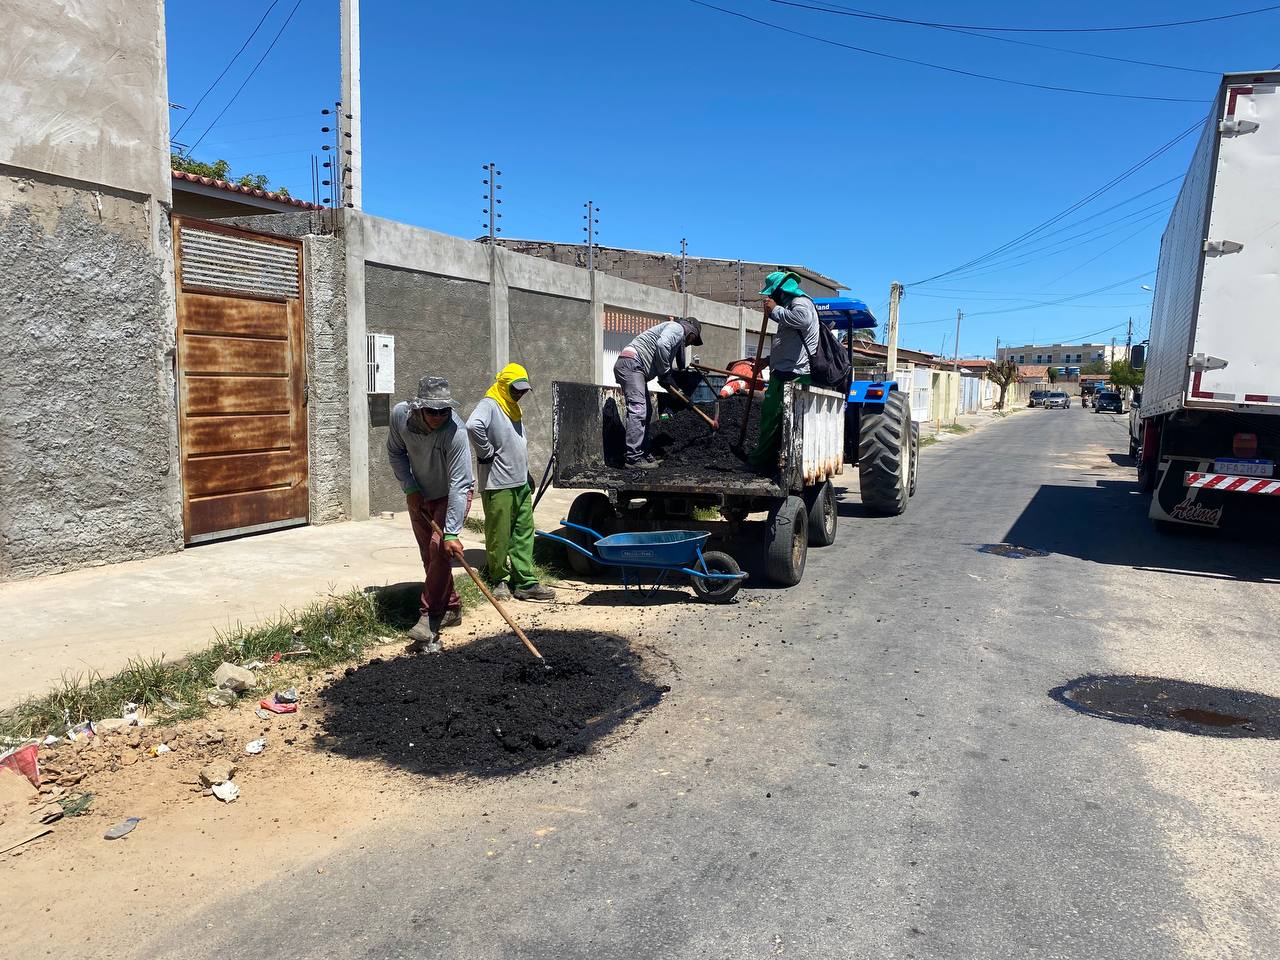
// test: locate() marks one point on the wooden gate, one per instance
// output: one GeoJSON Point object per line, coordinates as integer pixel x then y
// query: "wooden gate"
{"type": "Point", "coordinates": [241, 380]}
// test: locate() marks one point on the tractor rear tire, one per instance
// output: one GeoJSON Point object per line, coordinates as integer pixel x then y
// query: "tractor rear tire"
{"type": "Point", "coordinates": [884, 457]}
{"type": "Point", "coordinates": [592, 510]}
{"type": "Point", "coordinates": [820, 502]}
{"type": "Point", "coordinates": [788, 542]}
{"type": "Point", "coordinates": [915, 457]}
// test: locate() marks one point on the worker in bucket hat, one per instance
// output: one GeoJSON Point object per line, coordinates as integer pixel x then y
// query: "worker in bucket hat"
{"type": "Point", "coordinates": [796, 315]}
{"type": "Point", "coordinates": [427, 447]}
{"type": "Point", "coordinates": [497, 433]}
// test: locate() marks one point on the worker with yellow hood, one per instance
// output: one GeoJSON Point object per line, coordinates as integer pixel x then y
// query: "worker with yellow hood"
{"type": "Point", "coordinates": [497, 433]}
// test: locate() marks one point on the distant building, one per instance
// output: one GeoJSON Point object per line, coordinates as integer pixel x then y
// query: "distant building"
{"type": "Point", "coordinates": [707, 277]}
{"type": "Point", "coordinates": [1068, 358]}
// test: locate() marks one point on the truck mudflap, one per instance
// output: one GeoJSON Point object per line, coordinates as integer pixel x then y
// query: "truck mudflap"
{"type": "Point", "coordinates": [1190, 492]}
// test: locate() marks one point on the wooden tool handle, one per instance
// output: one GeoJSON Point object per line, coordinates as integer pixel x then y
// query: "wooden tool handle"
{"type": "Point", "coordinates": [689, 403]}
{"type": "Point", "coordinates": [485, 590]}
{"type": "Point", "coordinates": [755, 376]}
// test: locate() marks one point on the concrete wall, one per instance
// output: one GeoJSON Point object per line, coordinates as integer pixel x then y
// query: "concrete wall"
{"type": "Point", "coordinates": [88, 444]}
{"type": "Point", "coordinates": [88, 427]}
{"type": "Point", "coordinates": [441, 326]}
{"type": "Point", "coordinates": [708, 279]}
{"type": "Point", "coordinates": [552, 338]}
{"type": "Point", "coordinates": [328, 419]}
{"type": "Point", "coordinates": [86, 93]}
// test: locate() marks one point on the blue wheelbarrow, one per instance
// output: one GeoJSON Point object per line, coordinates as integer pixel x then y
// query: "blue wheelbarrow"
{"type": "Point", "coordinates": [715, 576]}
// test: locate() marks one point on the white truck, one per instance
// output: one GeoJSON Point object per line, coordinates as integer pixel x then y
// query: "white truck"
{"type": "Point", "coordinates": [1207, 433]}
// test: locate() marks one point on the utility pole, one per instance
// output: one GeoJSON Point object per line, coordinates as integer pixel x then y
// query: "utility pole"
{"type": "Point", "coordinates": [955, 356]}
{"type": "Point", "coordinates": [739, 283]}
{"type": "Point", "coordinates": [1128, 340]}
{"type": "Point", "coordinates": [997, 356]}
{"type": "Point", "coordinates": [492, 186]}
{"type": "Point", "coordinates": [891, 343]}
{"type": "Point", "coordinates": [340, 162]}
{"type": "Point", "coordinates": [590, 230]}
{"type": "Point", "coordinates": [684, 249]}
{"type": "Point", "coordinates": [354, 191]}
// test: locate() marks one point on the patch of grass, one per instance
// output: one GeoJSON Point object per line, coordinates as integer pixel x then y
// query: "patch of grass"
{"type": "Point", "coordinates": [706, 513]}
{"type": "Point", "coordinates": [956, 428]}
{"type": "Point", "coordinates": [928, 441]}
{"type": "Point", "coordinates": [474, 524]}
{"type": "Point", "coordinates": [333, 630]}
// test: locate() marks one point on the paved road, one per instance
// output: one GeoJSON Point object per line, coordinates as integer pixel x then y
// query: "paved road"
{"type": "Point", "coordinates": [870, 765]}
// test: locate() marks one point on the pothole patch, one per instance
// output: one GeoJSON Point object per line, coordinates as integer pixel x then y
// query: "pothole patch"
{"type": "Point", "coordinates": [1012, 551]}
{"type": "Point", "coordinates": [487, 708]}
{"type": "Point", "coordinates": [1177, 705]}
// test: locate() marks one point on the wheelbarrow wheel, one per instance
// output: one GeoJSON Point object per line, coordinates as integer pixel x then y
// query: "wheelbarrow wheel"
{"type": "Point", "coordinates": [717, 591]}
{"type": "Point", "coordinates": [590, 510]}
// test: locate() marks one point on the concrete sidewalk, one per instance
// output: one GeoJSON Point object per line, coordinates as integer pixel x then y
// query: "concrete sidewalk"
{"type": "Point", "coordinates": [99, 618]}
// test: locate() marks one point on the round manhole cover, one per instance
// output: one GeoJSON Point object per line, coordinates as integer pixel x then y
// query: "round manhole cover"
{"type": "Point", "coordinates": [1174, 705]}
{"type": "Point", "coordinates": [1012, 551]}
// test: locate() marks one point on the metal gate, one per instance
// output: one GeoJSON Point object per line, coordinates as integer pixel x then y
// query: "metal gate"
{"type": "Point", "coordinates": [241, 380]}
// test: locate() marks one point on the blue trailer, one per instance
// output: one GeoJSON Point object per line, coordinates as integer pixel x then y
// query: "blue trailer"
{"type": "Point", "coordinates": [879, 434]}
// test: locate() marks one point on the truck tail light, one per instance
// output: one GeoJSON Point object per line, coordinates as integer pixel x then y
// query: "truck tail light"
{"type": "Point", "coordinates": [874, 393]}
{"type": "Point", "coordinates": [1245, 446]}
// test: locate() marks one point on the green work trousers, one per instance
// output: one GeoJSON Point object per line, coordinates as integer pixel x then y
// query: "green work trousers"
{"type": "Point", "coordinates": [765, 455]}
{"type": "Point", "coordinates": [508, 535]}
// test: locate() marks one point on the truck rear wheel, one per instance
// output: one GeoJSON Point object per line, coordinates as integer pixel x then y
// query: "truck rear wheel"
{"type": "Point", "coordinates": [590, 510]}
{"type": "Point", "coordinates": [820, 503]}
{"type": "Point", "coordinates": [884, 456]}
{"type": "Point", "coordinates": [788, 542]}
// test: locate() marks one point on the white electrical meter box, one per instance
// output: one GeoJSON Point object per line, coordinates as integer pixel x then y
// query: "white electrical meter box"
{"type": "Point", "coordinates": [382, 363]}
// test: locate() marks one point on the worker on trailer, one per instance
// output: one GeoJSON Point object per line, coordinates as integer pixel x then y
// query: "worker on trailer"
{"type": "Point", "coordinates": [650, 355]}
{"type": "Point", "coordinates": [427, 446]}
{"type": "Point", "coordinates": [506, 491]}
{"type": "Point", "coordinates": [796, 341]}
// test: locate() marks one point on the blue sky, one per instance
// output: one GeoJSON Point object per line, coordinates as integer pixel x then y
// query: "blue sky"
{"type": "Point", "coordinates": [683, 121]}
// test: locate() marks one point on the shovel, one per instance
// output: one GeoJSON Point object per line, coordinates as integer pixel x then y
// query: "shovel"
{"type": "Point", "coordinates": [671, 389]}
{"type": "Point", "coordinates": [492, 599]}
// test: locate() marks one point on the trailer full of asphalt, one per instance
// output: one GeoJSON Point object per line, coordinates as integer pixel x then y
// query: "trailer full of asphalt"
{"type": "Point", "coordinates": [766, 522]}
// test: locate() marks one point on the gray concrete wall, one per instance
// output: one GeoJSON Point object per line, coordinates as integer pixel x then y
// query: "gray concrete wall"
{"type": "Point", "coordinates": [86, 93]}
{"type": "Point", "coordinates": [328, 419]}
{"type": "Point", "coordinates": [709, 279]}
{"type": "Point", "coordinates": [552, 338]}
{"type": "Point", "coordinates": [441, 326]}
{"type": "Point", "coordinates": [88, 448]}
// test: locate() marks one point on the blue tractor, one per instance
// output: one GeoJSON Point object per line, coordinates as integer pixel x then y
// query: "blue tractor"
{"type": "Point", "coordinates": [879, 434]}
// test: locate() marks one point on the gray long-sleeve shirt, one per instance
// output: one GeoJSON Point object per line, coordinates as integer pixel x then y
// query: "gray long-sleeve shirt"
{"type": "Point", "coordinates": [502, 451]}
{"type": "Point", "coordinates": [657, 348]}
{"type": "Point", "coordinates": [797, 336]}
{"type": "Point", "coordinates": [435, 463]}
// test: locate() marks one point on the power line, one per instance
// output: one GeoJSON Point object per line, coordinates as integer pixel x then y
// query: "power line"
{"type": "Point", "coordinates": [264, 56]}
{"type": "Point", "coordinates": [230, 62]}
{"type": "Point", "coordinates": [1070, 209]}
{"type": "Point", "coordinates": [849, 11]}
{"type": "Point", "coordinates": [1119, 243]}
{"type": "Point", "coordinates": [1044, 303]}
{"type": "Point", "coordinates": [937, 66]}
{"type": "Point", "coordinates": [1073, 242]}
{"type": "Point", "coordinates": [867, 15]}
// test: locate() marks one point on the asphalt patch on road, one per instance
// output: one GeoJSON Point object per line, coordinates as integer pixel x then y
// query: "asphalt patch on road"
{"type": "Point", "coordinates": [1177, 705]}
{"type": "Point", "coordinates": [488, 708]}
{"type": "Point", "coordinates": [1012, 551]}
{"type": "Point", "coordinates": [688, 447]}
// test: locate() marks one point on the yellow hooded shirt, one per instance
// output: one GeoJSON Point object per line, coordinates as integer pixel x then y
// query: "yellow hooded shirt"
{"type": "Point", "coordinates": [500, 392]}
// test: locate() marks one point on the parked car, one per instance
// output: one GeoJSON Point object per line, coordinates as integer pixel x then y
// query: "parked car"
{"type": "Point", "coordinates": [1037, 398]}
{"type": "Point", "coordinates": [1108, 400]}
{"type": "Point", "coordinates": [1057, 400]}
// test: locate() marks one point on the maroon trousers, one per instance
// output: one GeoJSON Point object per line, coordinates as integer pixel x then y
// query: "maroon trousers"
{"type": "Point", "coordinates": [438, 594]}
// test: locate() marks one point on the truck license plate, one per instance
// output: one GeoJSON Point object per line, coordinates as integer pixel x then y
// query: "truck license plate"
{"type": "Point", "coordinates": [1245, 468]}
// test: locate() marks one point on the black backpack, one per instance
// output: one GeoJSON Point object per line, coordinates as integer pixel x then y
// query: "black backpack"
{"type": "Point", "coordinates": [830, 365]}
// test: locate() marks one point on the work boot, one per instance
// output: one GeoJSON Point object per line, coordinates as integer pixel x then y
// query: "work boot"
{"type": "Point", "coordinates": [423, 637]}
{"type": "Point", "coordinates": [537, 593]}
{"type": "Point", "coordinates": [501, 591]}
{"type": "Point", "coordinates": [647, 462]}
{"type": "Point", "coordinates": [450, 618]}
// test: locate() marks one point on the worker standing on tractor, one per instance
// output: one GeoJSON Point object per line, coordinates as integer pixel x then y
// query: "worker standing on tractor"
{"type": "Point", "coordinates": [502, 455]}
{"type": "Point", "coordinates": [650, 355]}
{"type": "Point", "coordinates": [794, 344]}
{"type": "Point", "coordinates": [427, 447]}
